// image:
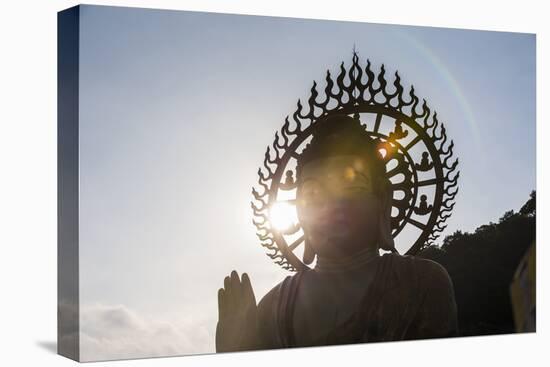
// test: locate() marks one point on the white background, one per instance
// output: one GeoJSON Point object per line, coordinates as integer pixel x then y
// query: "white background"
{"type": "Point", "coordinates": [28, 181]}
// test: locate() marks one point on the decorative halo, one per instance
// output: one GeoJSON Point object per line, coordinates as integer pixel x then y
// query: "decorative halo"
{"type": "Point", "coordinates": [419, 159]}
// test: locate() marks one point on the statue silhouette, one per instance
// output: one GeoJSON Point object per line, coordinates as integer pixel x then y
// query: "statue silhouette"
{"type": "Point", "coordinates": [353, 294]}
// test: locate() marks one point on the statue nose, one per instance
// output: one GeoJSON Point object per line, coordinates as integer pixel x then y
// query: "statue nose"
{"type": "Point", "coordinates": [335, 209]}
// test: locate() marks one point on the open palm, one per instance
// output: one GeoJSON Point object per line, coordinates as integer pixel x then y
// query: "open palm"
{"type": "Point", "coordinates": [238, 313]}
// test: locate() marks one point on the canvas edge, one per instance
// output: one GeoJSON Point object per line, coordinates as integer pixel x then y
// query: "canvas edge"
{"type": "Point", "coordinates": [68, 307]}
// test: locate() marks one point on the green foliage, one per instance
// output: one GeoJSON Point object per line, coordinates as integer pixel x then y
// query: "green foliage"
{"type": "Point", "coordinates": [530, 205]}
{"type": "Point", "coordinates": [481, 266]}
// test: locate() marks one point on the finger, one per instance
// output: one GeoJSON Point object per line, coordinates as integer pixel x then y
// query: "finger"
{"type": "Point", "coordinates": [228, 292]}
{"type": "Point", "coordinates": [227, 283]}
{"type": "Point", "coordinates": [236, 286]}
{"type": "Point", "coordinates": [235, 281]}
{"type": "Point", "coordinates": [221, 304]}
{"type": "Point", "coordinates": [248, 292]}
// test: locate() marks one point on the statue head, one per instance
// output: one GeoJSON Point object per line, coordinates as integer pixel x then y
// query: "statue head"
{"type": "Point", "coordinates": [343, 195]}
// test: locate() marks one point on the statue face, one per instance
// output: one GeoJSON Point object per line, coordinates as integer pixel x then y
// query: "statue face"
{"type": "Point", "coordinates": [337, 207]}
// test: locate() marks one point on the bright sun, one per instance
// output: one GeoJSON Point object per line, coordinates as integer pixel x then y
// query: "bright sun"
{"type": "Point", "coordinates": [282, 216]}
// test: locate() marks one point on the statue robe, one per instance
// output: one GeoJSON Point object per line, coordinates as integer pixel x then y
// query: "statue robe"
{"type": "Point", "coordinates": [410, 298]}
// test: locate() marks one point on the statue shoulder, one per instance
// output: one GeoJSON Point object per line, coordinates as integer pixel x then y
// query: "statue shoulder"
{"type": "Point", "coordinates": [437, 316]}
{"type": "Point", "coordinates": [272, 298]}
{"type": "Point", "coordinates": [432, 273]}
{"type": "Point", "coordinates": [269, 310]}
{"type": "Point", "coordinates": [431, 290]}
{"type": "Point", "coordinates": [427, 272]}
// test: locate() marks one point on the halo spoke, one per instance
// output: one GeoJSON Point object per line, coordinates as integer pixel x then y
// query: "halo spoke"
{"type": "Point", "coordinates": [287, 201]}
{"type": "Point", "coordinates": [377, 122]}
{"type": "Point", "coordinates": [403, 186]}
{"type": "Point", "coordinates": [394, 171]}
{"type": "Point", "coordinates": [416, 223]}
{"type": "Point", "coordinates": [296, 243]}
{"type": "Point", "coordinates": [429, 182]}
{"type": "Point", "coordinates": [413, 142]}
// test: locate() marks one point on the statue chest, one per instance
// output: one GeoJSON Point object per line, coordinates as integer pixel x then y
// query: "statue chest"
{"type": "Point", "coordinates": [325, 311]}
{"type": "Point", "coordinates": [323, 306]}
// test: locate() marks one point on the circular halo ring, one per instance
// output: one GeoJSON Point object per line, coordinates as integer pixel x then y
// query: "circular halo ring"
{"type": "Point", "coordinates": [443, 198]}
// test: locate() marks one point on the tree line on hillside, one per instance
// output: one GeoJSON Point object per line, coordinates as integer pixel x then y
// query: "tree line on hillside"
{"type": "Point", "coordinates": [482, 264]}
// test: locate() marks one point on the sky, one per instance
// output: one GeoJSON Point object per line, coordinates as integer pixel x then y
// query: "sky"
{"type": "Point", "coordinates": [176, 111]}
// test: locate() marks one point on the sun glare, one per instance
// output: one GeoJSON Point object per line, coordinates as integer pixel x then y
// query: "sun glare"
{"type": "Point", "coordinates": [282, 216]}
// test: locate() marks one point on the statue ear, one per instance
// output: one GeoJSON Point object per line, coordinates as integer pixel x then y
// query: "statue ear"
{"type": "Point", "coordinates": [309, 253]}
{"type": "Point", "coordinates": [385, 239]}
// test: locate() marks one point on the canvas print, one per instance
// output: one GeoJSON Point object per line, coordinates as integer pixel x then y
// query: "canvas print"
{"type": "Point", "coordinates": [232, 183]}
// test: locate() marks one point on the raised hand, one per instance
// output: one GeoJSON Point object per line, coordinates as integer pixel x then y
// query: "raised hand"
{"type": "Point", "coordinates": [237, 327]}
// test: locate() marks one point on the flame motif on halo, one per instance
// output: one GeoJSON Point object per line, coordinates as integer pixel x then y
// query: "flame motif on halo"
{"type": "Point", "coordinates": [357, 91]}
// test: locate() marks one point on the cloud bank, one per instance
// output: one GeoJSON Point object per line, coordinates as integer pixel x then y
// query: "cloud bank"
{"type": "Point", "coordinates": [110, 332]}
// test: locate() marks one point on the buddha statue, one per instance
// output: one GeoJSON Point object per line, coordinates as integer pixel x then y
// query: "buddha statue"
{"type": "Point", "coordinates": [353, 293]}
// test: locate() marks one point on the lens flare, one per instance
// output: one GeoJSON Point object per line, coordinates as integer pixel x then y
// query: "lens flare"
{"type": "Point", "coordinates": [282, 216]}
